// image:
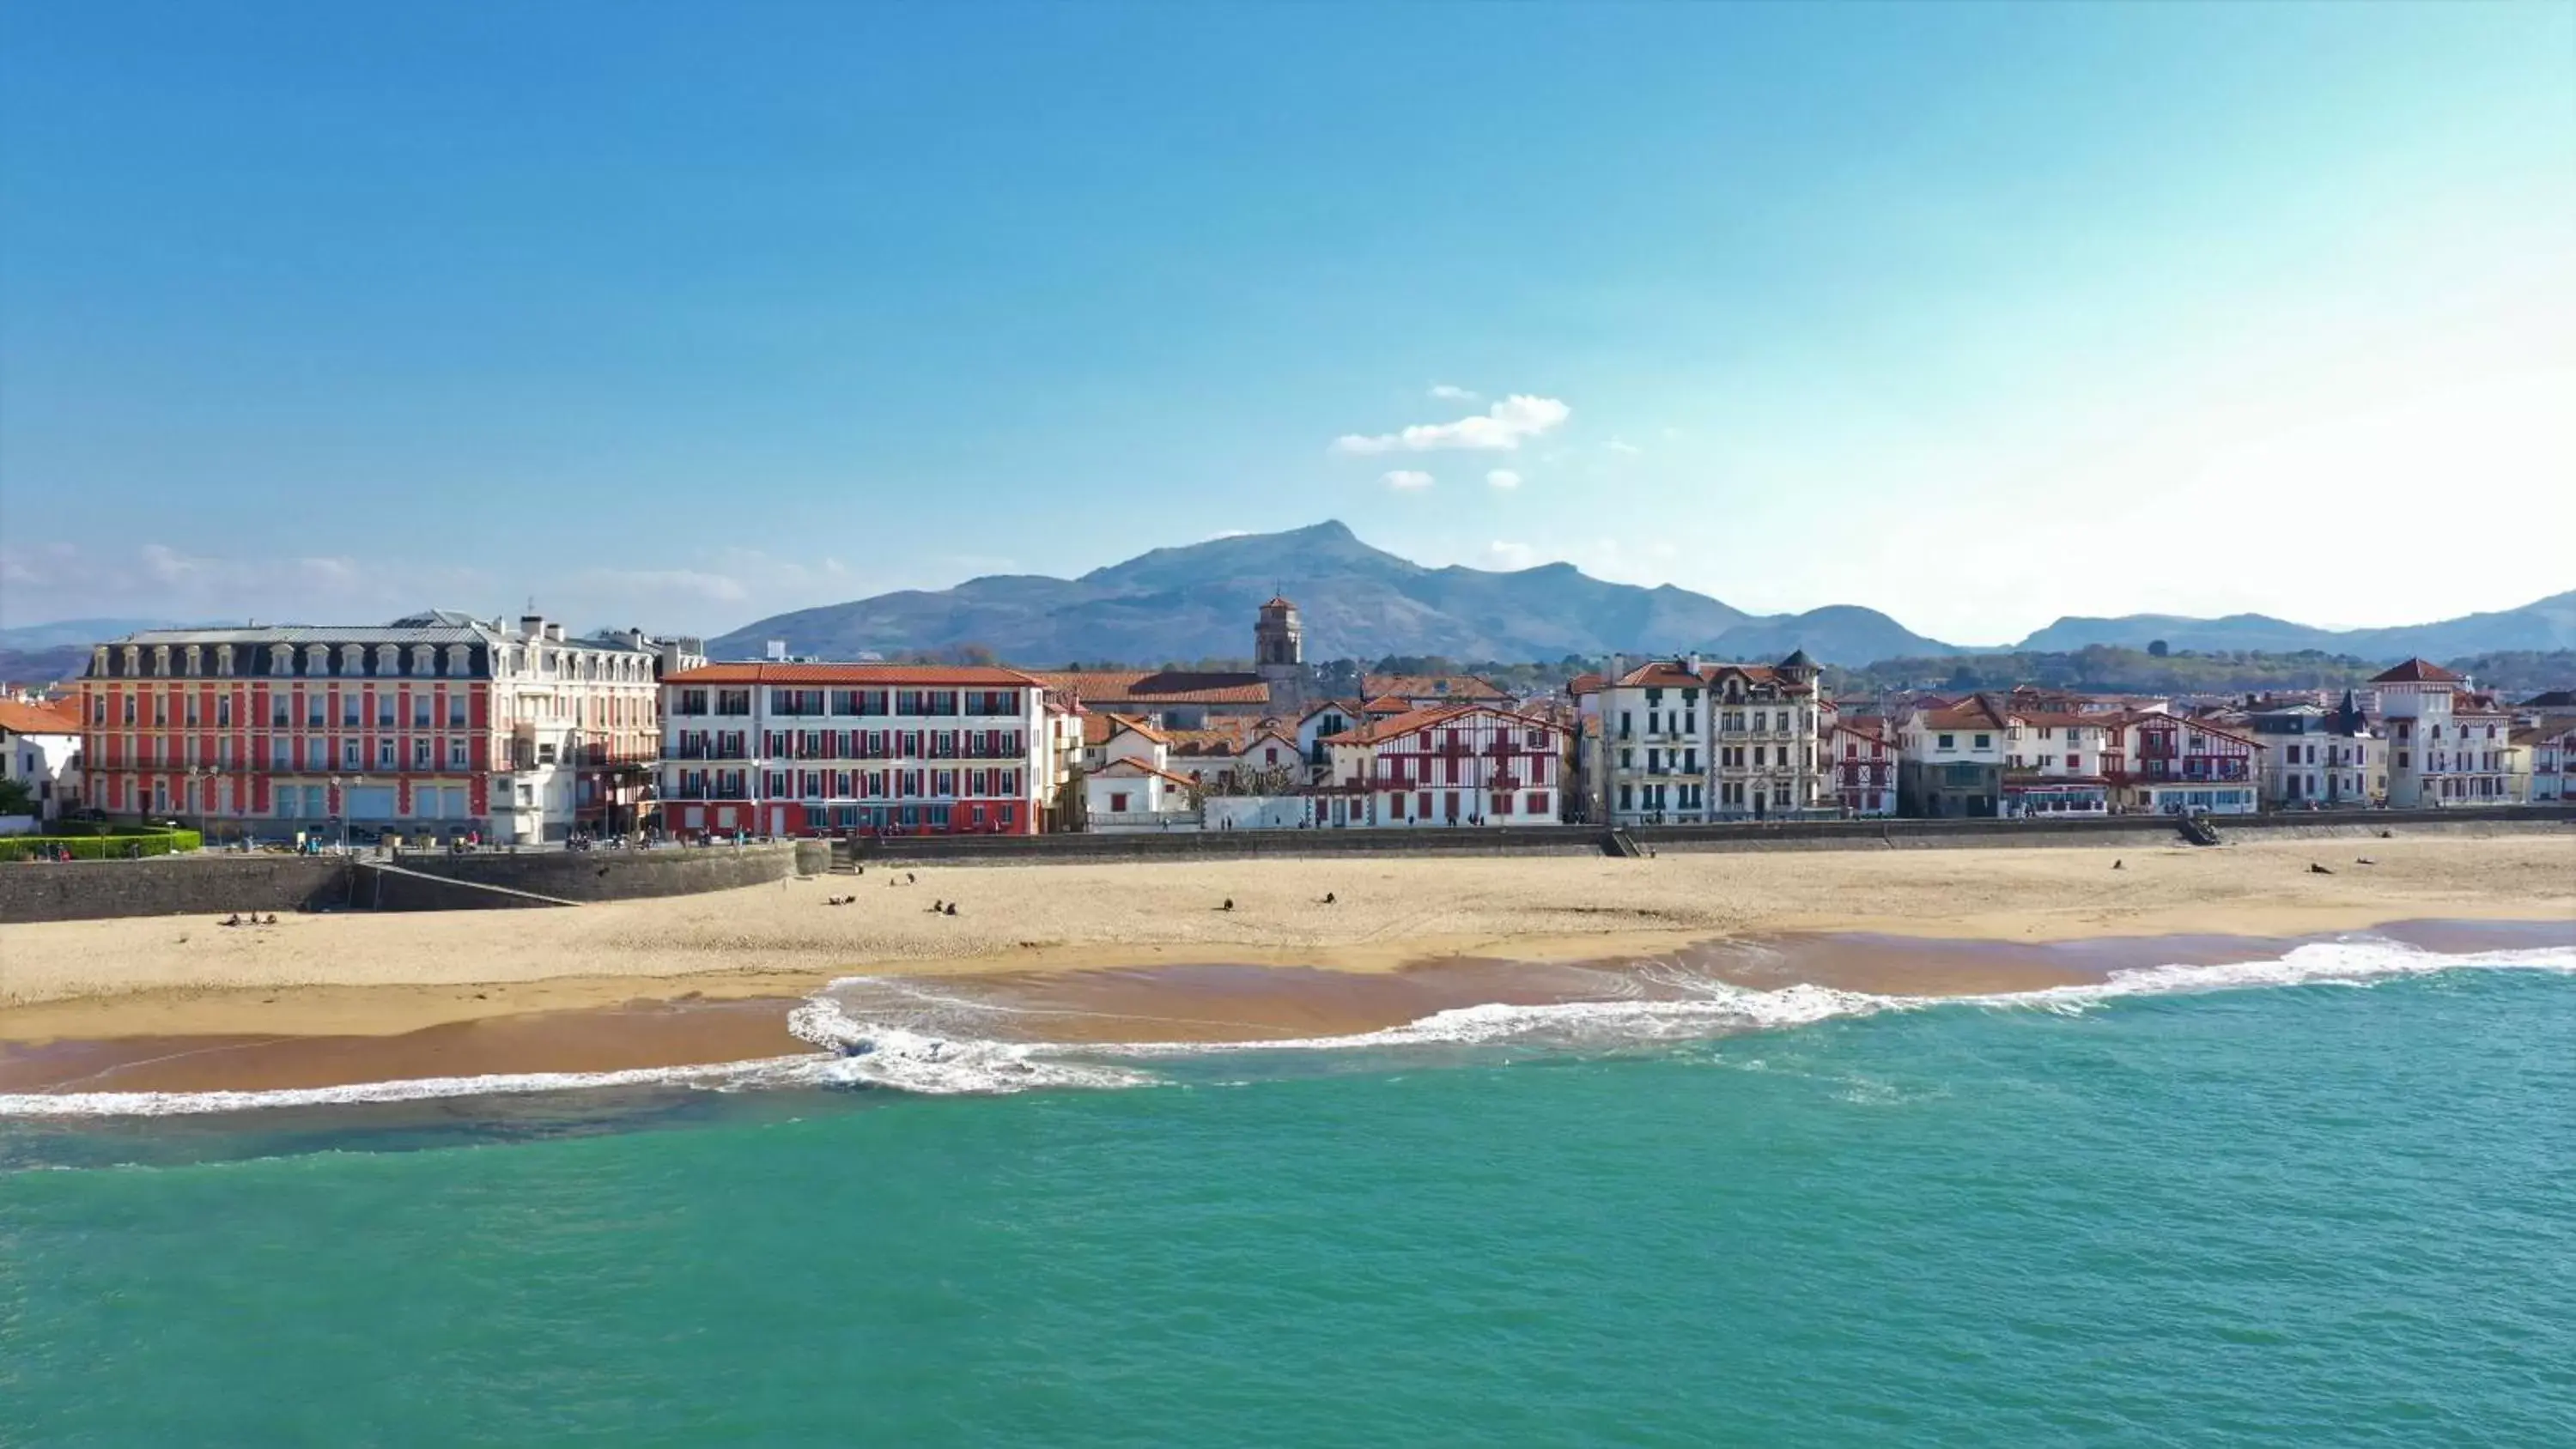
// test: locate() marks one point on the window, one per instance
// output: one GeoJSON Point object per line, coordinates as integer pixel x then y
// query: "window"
{"type": "Point", "coordinates": [223, 711]}
{"type": "Point", "coordinates": [420, 710]}
{"type": "Point", "coordinates": [385, 754]}
{"type": "Point", "coordinates": [1985, 742]}
{"type": "Point", "coordinates": [349, 757]}
{"type": "Point", "coordinates": [420, 757]}
{"type": "Point", "coordinates": [1118, 802]}
{"type": "Point", "coordinates": [1948, 742]}
{"type": "Point", "coordinates": [456, 754]}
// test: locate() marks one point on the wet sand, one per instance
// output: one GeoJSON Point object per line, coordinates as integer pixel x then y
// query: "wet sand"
{"type": "Point", "coordinates": [1174, 1002]}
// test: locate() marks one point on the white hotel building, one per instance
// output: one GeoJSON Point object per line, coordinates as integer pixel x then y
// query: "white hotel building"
{"type": "Point", "coordinates": [875, 749]}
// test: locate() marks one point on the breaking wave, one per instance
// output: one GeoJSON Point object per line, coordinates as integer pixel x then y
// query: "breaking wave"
{"type": "Point", "coordinates": [857, 1050]}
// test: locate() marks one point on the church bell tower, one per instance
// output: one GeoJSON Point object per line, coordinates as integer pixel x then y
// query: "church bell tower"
{"type": "Point", "coordinates": [1279, 653]}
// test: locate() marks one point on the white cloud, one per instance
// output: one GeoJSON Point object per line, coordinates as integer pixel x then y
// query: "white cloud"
{"type": "Point", "coordinates": [1408, 479]}
{"type": "Point", "coordinates": [1503, 478]}
{"type": "Point", "coordinates": [1622, 445]}
{"type": "Point", "coordinates": [696, 583]}
{"type": "Point", "coordinates": [1512, 555]}
{"type": "Point", "coordinates": [1227, 533]}
{"type": "Point", "coordinates": [166, 565]}
{"type": "Point", "coordinates": [1448, 393]}
{"type": "Point", "coordinates": [1500, 428]}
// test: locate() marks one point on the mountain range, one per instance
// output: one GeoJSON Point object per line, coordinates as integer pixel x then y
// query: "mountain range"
{"type": "Point", "coordinates": [1197, 602]}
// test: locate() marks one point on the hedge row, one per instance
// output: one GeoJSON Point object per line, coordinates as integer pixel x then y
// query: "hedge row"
{"type": "Point", "coordinates": [101, 847]}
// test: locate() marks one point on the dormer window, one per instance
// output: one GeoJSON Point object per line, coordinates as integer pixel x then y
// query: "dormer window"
{"type": "Point", "coordinates": [281, 659]}
{"type": "Point", "coordinates": [317, 659]}
{"type": "Point", "coordinates": [457, 660]}
{"type": "Point", "coordinates": [424, 660]}
{"type": "Point", "coordinates": [388, 659]}
{"type": "Point", "coordinates": [353, 659]}
{"type": "Point", "coordinates": [161, 659]}
{"type": "Point", "coordinates": [133, 660]}
{"type": "Point", "coordinates": [196, 661]}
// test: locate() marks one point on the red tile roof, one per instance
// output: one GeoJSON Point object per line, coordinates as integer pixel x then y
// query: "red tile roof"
{"type": "Point", "coordinates": [60, 717]}
{"type": "Point", "coordinates": [1157, 686]}
{"type": "Point", "coordinates": [1405, 724]}
{"type": "Point", "coordinates": [2417, 671]}
{"type": "Point", "coordinates": [1142, 767]}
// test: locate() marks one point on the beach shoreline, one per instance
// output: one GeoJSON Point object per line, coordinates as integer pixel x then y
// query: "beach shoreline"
{"type": "Point", "coordinates": [388, 975]}
{"type": "Point", "coordinates": [1184, 1004]}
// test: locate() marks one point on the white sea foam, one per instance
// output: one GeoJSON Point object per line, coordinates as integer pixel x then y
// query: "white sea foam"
{"type": "Point", "coordinates": [769, 1071]}
{"type": "Point", "coordinates": [859, 1050]}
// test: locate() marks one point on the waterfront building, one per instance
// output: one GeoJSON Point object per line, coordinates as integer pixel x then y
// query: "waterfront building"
{"type": "Point", "coordinates": [2446, 742]}
{"type": "Point", "coordinates": [40, 752]}
{"type": "Point", "coordinates": [2171, 765]}
{"type": "Point", "coordinates": [2550, 749]}
{"type": "Point", "coordinates": [2057, 762]}
{"type": "Point", "coordinates": [1476, 764]}
{"type": "Point", "coordinates": [1950, 759]}
{"type": "Point", "coordinates": [2314, 754]}
{"type": "Point", "coordinates": [436, 724]}
{"type": "Point", "coordinates": [1682, 741]}
{"type": "Point", "coordinates": [880, 749]}
{"type": "Point", "coordinates": [1860, 765]}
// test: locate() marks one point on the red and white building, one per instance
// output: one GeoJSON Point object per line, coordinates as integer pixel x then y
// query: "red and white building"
{"type": "Point", "coordinates": [875, 749]}
{"type": "Point", "coordinates": [2173, 764]}
{"type": "Point", "coordinates": [1860, 765]}
{"type": "Point", "coordinates": [437, 724]}
{"type": "Point", "coordinates": [1473, 764]}
{"type": "Point", "coordinates": [2057, 762]}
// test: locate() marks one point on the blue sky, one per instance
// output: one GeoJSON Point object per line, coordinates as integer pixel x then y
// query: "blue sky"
{"type": "Point", "coordinates": [683, 314]}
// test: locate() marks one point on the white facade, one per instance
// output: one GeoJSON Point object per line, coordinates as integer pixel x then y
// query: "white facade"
{"type": "Point", "coordinates": [1681, 742]}
{"type": "Point", "coordinates": [40, 750]}
{"type": "Point", "coordinates": [1133, 794]}
{"type": "Point", "coordinates": [2446, 745]}
{"type": "Point", "coordinates": [812, 749]}
{"type": "Point", "coordinates": [1463, 765]}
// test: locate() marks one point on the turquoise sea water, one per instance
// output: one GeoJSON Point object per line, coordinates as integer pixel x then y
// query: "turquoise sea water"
{"type": "Point", "coordinates": [2310, 1214]}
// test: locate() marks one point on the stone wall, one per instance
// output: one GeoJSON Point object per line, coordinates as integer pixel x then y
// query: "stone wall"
{"type": "Point", "coordinates": [619, 875]}
{"type": "Point", "coordinates": [171, 885]}
{"type": "Point", "coordinates": [1876, 834]}
{"type": "Point", "coordinates": [219, 884]}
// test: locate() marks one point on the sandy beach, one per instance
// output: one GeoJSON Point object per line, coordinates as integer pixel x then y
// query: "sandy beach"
{"type": "Point", "coordinates": [365, 974]}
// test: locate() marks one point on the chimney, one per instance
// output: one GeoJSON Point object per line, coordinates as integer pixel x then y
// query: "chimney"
{"type": "Point", "coordinates": [554, 632]}
{"type": "Point", "coordinates": [777, 651]}
{"type": "Point", "coordinates": [532, 625]}
{"type": "Point", "coordinates": [1693, 661]}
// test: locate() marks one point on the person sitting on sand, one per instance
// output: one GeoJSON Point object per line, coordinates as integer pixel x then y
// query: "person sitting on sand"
{"type": "Point", "coordinates": [1229, 904]}
{"type": "Point", "coordinates": [272, 919]}
{"type": "Point", "coordinates": [952, 908]}
{"type": "Point", "coordinates": [1328, 898]}
{"type": "Point", "coordinates": [232, 920]}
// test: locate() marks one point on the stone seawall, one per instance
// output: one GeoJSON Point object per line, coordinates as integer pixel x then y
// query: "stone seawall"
{"type": "Point", "coordinates": [2121, 830]}
{"type": "Point", "coordinates": [172, 885]}
{"type": "Point", "coordinates": [620, 875]}
{"type": "Point", "coordinates": [218, 884]}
